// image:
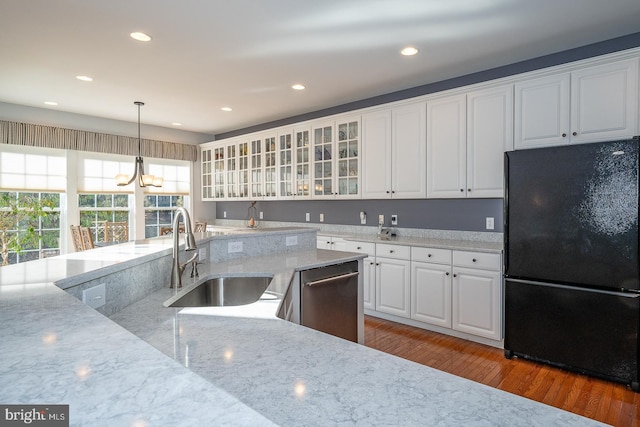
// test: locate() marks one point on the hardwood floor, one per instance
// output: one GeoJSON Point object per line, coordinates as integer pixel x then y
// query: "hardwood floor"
{"type": "Point", "coordinates": [600, 400]}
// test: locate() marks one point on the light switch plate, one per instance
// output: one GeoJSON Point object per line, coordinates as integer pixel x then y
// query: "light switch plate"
{"type": "Point", "coordinates": [394, 219]}
{"type": "Point", "coordinates": [234, 247]}
{"type": "Point", "coordinates": [490, 223]}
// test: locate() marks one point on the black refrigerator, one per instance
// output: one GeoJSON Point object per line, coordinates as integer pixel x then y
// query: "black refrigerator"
{"type": "Point", "coordinates": [572, 291]}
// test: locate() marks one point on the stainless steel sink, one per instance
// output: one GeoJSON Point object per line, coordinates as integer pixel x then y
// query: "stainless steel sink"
{"type": "Point", "coordinates": [222, 291]}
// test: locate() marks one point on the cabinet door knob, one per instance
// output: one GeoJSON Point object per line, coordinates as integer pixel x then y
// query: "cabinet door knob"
{"type": "Point", "coordinates": [391, 251]}
{"type": "Point", "coordinates": [474, 260]}
{"type": "Point", "coordinates": [358, 247]}
{"type": "Point", "coordinates": [455, 275]}
{"type": "Point", "coordinates": [388, 191]}
{"type": "Point", "coordinates": [447, 273]}
{"type": "Point", "coordinates": [469, 190]}
{"type": "Point", "coordinates": [575, 134]}
{"type": "Point", "coordinates": [462, 190]}
{"type": "Point", "coordinates": [428, 255]}
{"type": "Point", "coordinates": [564, 135]}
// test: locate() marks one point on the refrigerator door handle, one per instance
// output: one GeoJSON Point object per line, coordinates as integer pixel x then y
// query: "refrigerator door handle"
{"type": "Point", "coordinates": [575, 288]}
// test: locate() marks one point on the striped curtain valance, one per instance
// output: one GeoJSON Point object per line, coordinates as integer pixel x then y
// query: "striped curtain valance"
{"type": "Point", "coordinates": [33, 135]}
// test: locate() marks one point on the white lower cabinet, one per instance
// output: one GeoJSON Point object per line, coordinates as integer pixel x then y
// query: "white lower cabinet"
{"type": "Point", "coordinates": [431, 293]}
{"type": "Point", "coordinates": [477, 294]}
{"type": "Point", "coordinates": [393, 286]}
{"type": "Point", "coordinates": [331, 243]}
{"type": "Point", "coordinates": [369, 270]}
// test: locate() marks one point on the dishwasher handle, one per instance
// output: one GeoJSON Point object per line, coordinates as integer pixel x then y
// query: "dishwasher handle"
{"type": "Point", "coordinates": [331, 279]}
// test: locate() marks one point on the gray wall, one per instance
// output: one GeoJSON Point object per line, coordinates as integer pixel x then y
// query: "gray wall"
{"type": "Point", "coordinates": [437, 214]}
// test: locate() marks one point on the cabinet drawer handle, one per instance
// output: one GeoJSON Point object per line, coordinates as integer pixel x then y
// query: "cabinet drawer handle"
{"type": "Point", "coordinates": [428, 255]}
{"type": "Point", "coordinates": [474, 260]}
{"type": "Point", "coordinates": [391, 251]}
{"type": "Point", "coordinates": [358, 247]}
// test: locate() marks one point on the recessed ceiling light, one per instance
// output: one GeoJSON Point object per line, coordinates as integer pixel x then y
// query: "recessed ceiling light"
{"type": "Point", "coordinates": [409, 51]}
{"type": "Point", "coordinates": [226, 109]}
{"type": "Point", "coordinates": [84, 78]}
{"type": "Point", "coordinates": [297, 86]}
{"type": "Point", "coordinates": [176, 124]}
{"type": "Point", "coordinates": [141, 37]}
{"type": "Point", "coordinates": [50, 103]}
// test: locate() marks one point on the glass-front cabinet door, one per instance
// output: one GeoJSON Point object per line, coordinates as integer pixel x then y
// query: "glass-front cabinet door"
{"type": "Point", "coordinates": [218, 172]}
{"type": "Point", "coordinates": [285, 165]}
{"type": "Point", "coordinates": [206, 171]}
{"type": "Point", "coordinates": [270, 180]}
{"type": "Point", "coordinates": [302, 163]}
{"type": "Point", "coordinates": [336, 159]}
{"type": "Point", "coordinates": [256, 168]}
{"type": "Point", "coordinates": [231, 182]}
{"type": "Point", "coordinates": [323, 160]}
{"type": "Point", "coordinates": [348, 152]}
{"type": "Point", "coordinates": [243, 170]}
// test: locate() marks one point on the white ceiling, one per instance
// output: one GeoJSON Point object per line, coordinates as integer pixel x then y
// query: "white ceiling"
{"type": "Point", "coordinates": [207, 54]}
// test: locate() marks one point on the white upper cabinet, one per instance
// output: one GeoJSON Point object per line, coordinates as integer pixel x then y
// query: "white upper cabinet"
{"type": "Point", "coordinates": [301, 153]}
{"type": "Point", "coordinates": [286, 166]}
{"type": "Point", "coordinates": [596, 103]}
{"type": "Point", "coordinates": [467, 136]}
{"type": "Point", "coordinates": [394, 158]}
{"type": "Point", "coordinates": [336, 158]}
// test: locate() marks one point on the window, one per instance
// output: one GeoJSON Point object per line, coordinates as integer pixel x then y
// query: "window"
{"type": "Point", "coordinates": [47, 227]}
{"type": "Point", "coordinates": [96, 209]}
{"type": "Point", "coordinates": [159, 211]}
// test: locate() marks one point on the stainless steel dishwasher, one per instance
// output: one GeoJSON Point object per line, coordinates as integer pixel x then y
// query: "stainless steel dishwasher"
{"type": "Point", "coordinates": [330, 300]}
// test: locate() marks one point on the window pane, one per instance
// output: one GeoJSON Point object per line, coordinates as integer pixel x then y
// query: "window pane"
{"type": "Point", "coordinates": [104, 200]}
{"type": "Point", "coordinates": [164, 201]}
{"type": "Point", "coordinates": [120, 200]}
{"type": "Point", "coordinates": [86, 200]}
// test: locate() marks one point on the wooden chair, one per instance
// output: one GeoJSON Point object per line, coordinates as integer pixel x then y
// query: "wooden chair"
{"type": "Point", "coordinates": [200, 227]}
{"type": "Point", "coordinates": [116, 232]}
{"type": "Point", "coordinates": [87, 238]}
{"type": "Point", "coordinates": [76, 237]}
{"type": "Point", "coordinates": [48, 253]}
{"type": "Point", "coordinates": [165, 231]}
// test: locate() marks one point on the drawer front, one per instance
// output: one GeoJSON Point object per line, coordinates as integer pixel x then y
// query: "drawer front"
{"type": "Point", "coordinates": [434, 255]}
{"type": "Point", "coordinates": [483, 260]}
{"type": "Point", "coordinates": [393, 251]}
{"type": "Point", "coordinates": [361, 247]}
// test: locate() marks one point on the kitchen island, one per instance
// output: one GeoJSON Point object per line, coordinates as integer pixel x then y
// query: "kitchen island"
{"type": "Point", "coordinates": [151, 365]}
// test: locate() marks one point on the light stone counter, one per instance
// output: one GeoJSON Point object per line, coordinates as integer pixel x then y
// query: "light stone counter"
{"type": "Point", "coordinates": [218, 368]}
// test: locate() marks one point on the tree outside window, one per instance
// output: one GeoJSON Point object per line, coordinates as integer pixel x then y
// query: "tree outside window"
{"type": "Point", "coordinates": [29, 225]}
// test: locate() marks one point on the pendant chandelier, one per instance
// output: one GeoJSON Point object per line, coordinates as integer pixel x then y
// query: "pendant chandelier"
{"type": "Point", "coordinates": [144, 180]}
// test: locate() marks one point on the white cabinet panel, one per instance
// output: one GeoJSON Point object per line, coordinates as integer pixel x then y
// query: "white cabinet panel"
{"type": "Point", "coordinates": [597, 103]}
{"type": "Point", "coordinates": [477, 302]}
{"type": "Point", "coordinates": [393, 286]}
{"type": "Point", "coordinates": [376, 146]}
{"type": "Point", "coordinates": [431, 293]}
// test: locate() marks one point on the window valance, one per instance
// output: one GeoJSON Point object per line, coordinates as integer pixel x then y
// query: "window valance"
{"type": "Point", "coordinates": [17, 133]}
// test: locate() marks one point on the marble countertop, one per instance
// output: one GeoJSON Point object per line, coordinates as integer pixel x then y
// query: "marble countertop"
{"type": "Point", "coordinates": [200, 366]}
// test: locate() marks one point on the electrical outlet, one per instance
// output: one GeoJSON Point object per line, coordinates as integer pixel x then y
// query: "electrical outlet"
{"type": "Point", "coordinates": [95, 297]}
{"type": "Point", "coordinates": [224, 214]}
{"type": "Point", "coordinates": [292, 240]}
{"type": "Point", "coordinates": [307, 217]}
{"type": "Point", "coordinates": [394, 219]}
{"type": "Point", "coordinates": [261, 215]}
{"type": "Point", "coordinates": [321, 217]}
{"type": "Point", "coordinates": [234, 247]}
{"type": "Point", "coordinates": [202, 254]}
{"type": "Point", "coordinates": [380, 219]}
{"type": "Point", "coordinates": [490, 224]}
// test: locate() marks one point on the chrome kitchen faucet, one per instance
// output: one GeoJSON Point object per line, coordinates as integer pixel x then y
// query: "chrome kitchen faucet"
{"type": "Point", "coordinates": [190, 245]}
